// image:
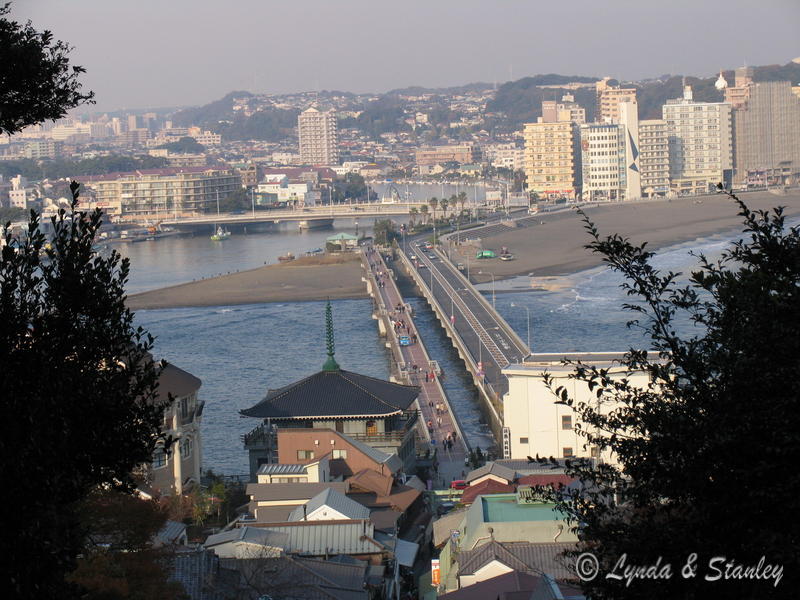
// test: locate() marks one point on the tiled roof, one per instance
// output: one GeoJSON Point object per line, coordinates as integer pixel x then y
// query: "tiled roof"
{"type": "Point", "coordinates": [337, 501]}
{"type": "Point", "coordinates": [195, 571]}
{"type": "Point", "coordinates": [491, 588]}
{"type": "Point", "coordinates": [400, 498]}
{"type": "Point", "coordinates": [488, 486]}
{"type": "Point", "coordinates": [371, 481]}
{"type": "Point", "coordinates": [392, 461]}
{"type": "Point", "coordinates": [176, 381]}
{"type": "Point", "coordinates": [553, 479]}
{"type": "Point", "coordinates": [171, 532]}
{"type": "Point", "coordinates": [520, 556]}
{"type": "Point", "coordinates": [524, 467]}
{"type": "Point", "coordinates": [262, 492]}
{"type": "Point", "coordinates": [492, 468]}
{"type": "Point", "coordinates": [335, 394]}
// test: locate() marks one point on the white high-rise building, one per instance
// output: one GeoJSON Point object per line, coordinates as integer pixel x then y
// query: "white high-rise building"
{"type": "Point", "coordinates": [700, 149]}
{"type": "Point", "coordinates": [654, 157]}
{"type": "Point", "coordinates": [603, 161]}
{"type": "Point", "coordinates": [629, 118]}
{"type": "Point", "coordinates": [317, 132]}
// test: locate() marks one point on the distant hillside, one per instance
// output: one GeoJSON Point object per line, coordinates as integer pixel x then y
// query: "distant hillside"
{"type": "Point", "coordinates": [208, 114]}
{"type": "Point", "coordinates": [416, 90]}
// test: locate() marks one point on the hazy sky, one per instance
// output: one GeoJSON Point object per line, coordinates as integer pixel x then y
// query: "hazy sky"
{"type": "Point", "coordinates": [151, 53]}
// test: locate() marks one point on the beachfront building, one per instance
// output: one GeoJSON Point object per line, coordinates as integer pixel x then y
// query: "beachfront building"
{"type": "Point", "coordinates": [629, 119]}
{"type": "Point", "coordinates": [603, 151]}
{"type": "Point", "coordinates": [378, 413]}
{"type": "Point", "coordinates": [766, 131]}
{"type": "Point", "coordinates": [154, 194]}
{"type": "Point", "coordinates": [654, 157]}
{"type": "Point", "coordinates": [700, 143]}
{"type": "Point", "coordinates": [438, 155]}
{"type": "Point", "coordinates": [552, 159]}
{"type": "Point", "coordinates": [318, 140]}
{"type": "Point", "coordinates": [178, 470]}
{"type": "Point", "coordinates": [609, 98]}
{"type": "Point", "coordinates": [533, 424]}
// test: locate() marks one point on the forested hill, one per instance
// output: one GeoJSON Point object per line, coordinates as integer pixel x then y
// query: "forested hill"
{"type": "Point", "coordinates": [520, 101]}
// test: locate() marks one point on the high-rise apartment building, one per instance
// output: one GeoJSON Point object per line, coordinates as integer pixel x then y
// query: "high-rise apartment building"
{"type": "Point", "coordinates": [608, 100]}
{"type": "Point", "coordinates": [700, 143]}
{"type": "Point", "coordinates": [318, 142]}
{"type": "Point", "coordinates": [654, 157]}
{"type": "Point", "coordinates": [700, 146]}
{"type": "Point", "coordinates": [603, 161]}
{"type": "Point", "coordinates": [766, 131]}
{"type": "Point", "coordinates": [552, 161]}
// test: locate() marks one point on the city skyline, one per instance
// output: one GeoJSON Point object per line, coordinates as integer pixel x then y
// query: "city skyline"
{"type": "Point", "coordinates": [189, 54]}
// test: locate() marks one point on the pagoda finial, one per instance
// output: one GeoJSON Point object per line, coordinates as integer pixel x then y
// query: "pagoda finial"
{"type": "Point", "coordinates": [330, 364]}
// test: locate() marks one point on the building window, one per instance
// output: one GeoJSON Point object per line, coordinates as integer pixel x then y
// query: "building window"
{"type": "Point", "coordinates": [159, 458]}
{"type": "Point", "coordinates": [340, 454]}
{"type": "Point", "coordinates": [567, 452]}
{"type": "Point", "coordinates": [372, 428]}
{"type": "Point", "coordinates": [566, 422]}
{"type": "Point", "coordinates": [523, 440]}
{"type": "Point", "coordinates": [305, 454]}
{"type": "Point", "coordinates": [186, 447]}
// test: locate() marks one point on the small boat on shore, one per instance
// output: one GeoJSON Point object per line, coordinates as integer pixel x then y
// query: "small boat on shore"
{"type": "Point", "coordinates": [506, 257]}
{"type": "Point", "coordinates": [221, 234]}
{"type": "Point", "coordinates": [286, 257]}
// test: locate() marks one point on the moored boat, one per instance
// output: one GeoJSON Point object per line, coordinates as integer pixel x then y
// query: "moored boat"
{"type": "Point", "coordinates": [286, 257]}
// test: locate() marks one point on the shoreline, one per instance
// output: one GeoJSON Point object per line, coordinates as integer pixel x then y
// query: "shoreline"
{"type": "Point", "coordinates": [309, 278]}
{"type": "Point", "coordinates": [546, 252]}
{"type": "Point", "coordinates": [556, 248]}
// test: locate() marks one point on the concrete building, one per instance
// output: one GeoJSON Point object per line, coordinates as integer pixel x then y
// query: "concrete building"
{"type": "Point", "coordinates": [534, 423]}
{"type": "Point", "coordinates": [700, 143]}
{"type": "Point", "coordinates": [437, 155]}
{"type": "Point", "coordinates": [552, 159]}
{"type": "Point", "coordinates": [318, 139]}
{"type": "Point", "coordinates": [506, 156]}
{"type": "Point", "coordinates": [206, 138]}
{"type": "Point", "coordinates": [159, 193]}
{"type": "Point", "coordinates": [766, 131]}
{"type": "Point", "coordinates": [609, 98]}
{"type": "Point", "coordinates": [566, 110]}
{"type": "Point", "coordinates": [654, 157]}
{"type": "Point", "coordinates": [178, 470]}
{"type": "Point", "coordinates": [39, 149]}
{"type": "Point", "coordinates": [629, 119]}
{"type": "Point", "coordinates": [603, 150]}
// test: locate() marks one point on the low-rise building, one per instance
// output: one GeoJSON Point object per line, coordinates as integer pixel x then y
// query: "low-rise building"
{"type": "Point", "coordinates": [436, 155]}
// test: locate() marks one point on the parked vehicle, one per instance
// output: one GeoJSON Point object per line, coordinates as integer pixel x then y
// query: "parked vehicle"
{"type": "Point", "coordinates": [404, 340]}
{"type": "Point", "coordinates": [486, 254]}
{"type": "Point", "coordinates": [458, 484]}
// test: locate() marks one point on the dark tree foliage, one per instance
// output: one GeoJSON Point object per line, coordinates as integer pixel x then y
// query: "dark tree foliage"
{"type": "Point", "coordinates": [37, 82]}
{"type": "Point", "coordinates": [186, 145]}
{"type": "Point", "coordinates": [708, 450]}
{"type": "Point", "coordinates": [79, 394]}
{"type": "Point", "coordinates": [385, 232]}
{"type": "Point", "coordinates": [119, 559]}
{"type": "Point", "coordinates": [208, 114]}
{"type": "Point", "coordinates": [273, 125]}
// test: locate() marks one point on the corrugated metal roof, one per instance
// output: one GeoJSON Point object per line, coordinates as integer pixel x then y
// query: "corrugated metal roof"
{"type": "Point", "coordinates": [332, 499]}
{"type": "Point", "coordinates": [278, 469]}
{"type": "Point", "coordinates": [334, 394]}
{"type": "Point", "coordinates": [318, 538]}
{"type": "Point", "coordinates": [250, 535]}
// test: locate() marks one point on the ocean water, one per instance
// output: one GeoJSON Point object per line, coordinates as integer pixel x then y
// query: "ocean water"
{"type": "Point", "coordinates": [240, 352]}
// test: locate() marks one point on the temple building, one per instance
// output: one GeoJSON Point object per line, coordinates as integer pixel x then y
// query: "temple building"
{"type": "Point", "coordinates": [372, 411]}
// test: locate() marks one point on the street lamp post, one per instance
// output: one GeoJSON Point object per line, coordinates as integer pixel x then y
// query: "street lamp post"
{"type": "Point", "coordinates": [527, 310]}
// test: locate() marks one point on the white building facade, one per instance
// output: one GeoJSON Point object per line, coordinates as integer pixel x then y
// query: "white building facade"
{"type": "Point", "coordinates": [318, 139]}
{"type": "Point", "coordinates": [603, 161]}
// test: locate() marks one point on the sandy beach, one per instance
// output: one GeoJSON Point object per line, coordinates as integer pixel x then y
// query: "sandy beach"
{"type": "Point", "coordinates": [307, 278]}
{"type": "Point", "coordinates": [556, 247]}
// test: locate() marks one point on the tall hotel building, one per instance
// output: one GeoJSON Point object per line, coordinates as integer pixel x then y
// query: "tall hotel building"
{"type": "Point", "coordinates": [317, 132]}
{"type": "Point", "coordinates": [766, 130]}
{"type": "Point", "coordinates": [552, 159]}
{"type": "Point", "coordinates": [603, 161]}
{"type": "Point", "coordinates": [654, 157]}
{"type": "Point", "coordinates": [700, 145]}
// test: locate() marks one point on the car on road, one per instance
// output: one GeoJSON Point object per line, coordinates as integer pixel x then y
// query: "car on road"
{"type": "Point", "coordinates": [428, 246]}
{"type": "Point", "coordinates": [458, 484]}
{"type": "Point", "coordinates": [412, 256]}
{"type": "Point", "coordinates": [460, 266]}
{"type": "Point", "coordinates": [404, 340]}
{"type": "Point", "coordinates": [486, 254]}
